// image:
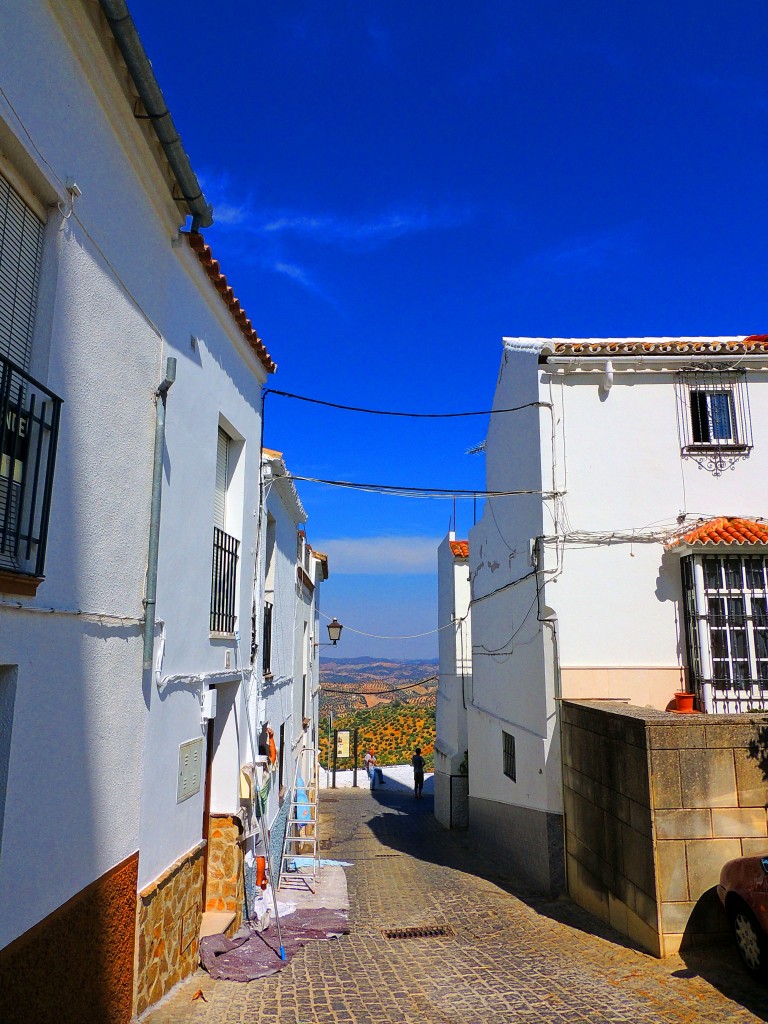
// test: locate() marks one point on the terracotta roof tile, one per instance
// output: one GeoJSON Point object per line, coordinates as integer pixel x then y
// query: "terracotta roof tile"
{"type": "Point", "coordinates": [737, 345]}
{"type": "Point", "coordinates": [460, 548]}
{"type": "Point", "coordinates": [220, 283]}
{"type": "Point", "coordinates": [725, 530]}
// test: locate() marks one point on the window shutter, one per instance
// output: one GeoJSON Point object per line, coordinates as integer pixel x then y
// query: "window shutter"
{"type": "Point", "coordinates": [21, 241]}
{"type": "Point", "coordinates": [222, 476]}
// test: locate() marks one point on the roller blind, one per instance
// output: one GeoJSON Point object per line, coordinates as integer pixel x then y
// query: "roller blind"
{"type": "Point", "coordinates": [21, 242]}
{"type": "Point", "coordinates": [222, 476]}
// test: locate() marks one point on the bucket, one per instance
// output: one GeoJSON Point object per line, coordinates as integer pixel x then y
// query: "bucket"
{"type": "Point", "coordinates": [684, 702]}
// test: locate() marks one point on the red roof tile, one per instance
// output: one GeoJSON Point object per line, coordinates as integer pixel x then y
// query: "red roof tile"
{"type": "Point", "coordinates": [460, 548]}
{"type": "Point", "coordinates": [726, 530]}
{"type": "Point", "coordinates": [219, 281]}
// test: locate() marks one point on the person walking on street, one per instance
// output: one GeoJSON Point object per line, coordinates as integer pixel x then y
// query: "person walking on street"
{"type": "Point", "coordinates": [418, 774]}
{"type": "Point", "coordinates": [375, 773]}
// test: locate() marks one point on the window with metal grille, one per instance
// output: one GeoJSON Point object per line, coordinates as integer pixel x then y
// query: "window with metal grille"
{"type": "Point", "coordinates": [266, 645]}
{"type": "Point", "coordinates": [510, 764]}
{"type": "Point", "coordinates": [713, 411]}
{"type": "Point", "coordinates": [225, 548]}
{"type": "Point", "coordinates": [726, 617]}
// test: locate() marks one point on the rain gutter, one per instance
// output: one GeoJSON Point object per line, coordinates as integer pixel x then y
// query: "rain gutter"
{"type": "Point", "coordinates": [133, 53]}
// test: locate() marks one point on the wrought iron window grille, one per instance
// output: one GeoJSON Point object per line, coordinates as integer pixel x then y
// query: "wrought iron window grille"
{"type": "Point", "coordinates": [714, 420]}
{"type": "Point", "coordinates": [510, 760]}
{"type": "Point", "coordinates": [267, 641]}
{"type": "Point", "coordinates": [223, 582]}
{"type": "Point", "coordinates": [29, 428]}
{"type": "Point", "coordinates": [726, 629]}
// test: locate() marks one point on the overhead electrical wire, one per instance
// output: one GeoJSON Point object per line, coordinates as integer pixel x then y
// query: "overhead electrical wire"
{"type": "Point", "coordinates": [407, 415]}
{"type": "Point", "coordinates": [375, 693]}
{"type": "Point", "coordinates": [417, 492]}
{"type": "Point", "coordinates": [412, 636]}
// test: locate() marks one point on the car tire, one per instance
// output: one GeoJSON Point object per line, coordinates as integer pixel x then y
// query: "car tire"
{"type": "Point", "coordinates": [751, 940]}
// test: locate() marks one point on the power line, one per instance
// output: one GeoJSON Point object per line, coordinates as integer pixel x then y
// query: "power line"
{"type": "Point", "coordinates": [409, 636]}
{"type": "Point", "coordinates": [375, 693]}
{"type": "Point", "coordinates": [409, 415]}
{"type": "Point", "coordinates": [417, 492]}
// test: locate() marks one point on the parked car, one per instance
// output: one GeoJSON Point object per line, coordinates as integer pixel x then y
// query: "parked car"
{"type": "Point", "coordinates": [743, 891]}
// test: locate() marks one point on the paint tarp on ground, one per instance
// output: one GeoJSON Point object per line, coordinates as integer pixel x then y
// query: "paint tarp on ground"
{"type": "Point", "coordinates": [251, 954]}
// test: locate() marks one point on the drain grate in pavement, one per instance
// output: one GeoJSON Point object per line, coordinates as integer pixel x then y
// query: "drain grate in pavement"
{"type": "Point", "coordinates": [388, 855]}
{"type": "Point", "coordinates": [425, 931]}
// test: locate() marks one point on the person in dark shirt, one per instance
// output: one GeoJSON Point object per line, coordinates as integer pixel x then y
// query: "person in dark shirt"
{"type": "Point", "coordinates": [418, 774]}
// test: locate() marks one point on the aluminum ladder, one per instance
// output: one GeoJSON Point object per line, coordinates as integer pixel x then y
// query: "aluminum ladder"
{"type": "Point", "coordinates": [301, 832]}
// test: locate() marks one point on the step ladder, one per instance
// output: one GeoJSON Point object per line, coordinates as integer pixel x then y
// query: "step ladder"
{"type": "Point", "coordinates": [301, 832]}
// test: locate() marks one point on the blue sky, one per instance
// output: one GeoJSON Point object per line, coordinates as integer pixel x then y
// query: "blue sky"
{"type": "Point", "coordinates": [398, 185]}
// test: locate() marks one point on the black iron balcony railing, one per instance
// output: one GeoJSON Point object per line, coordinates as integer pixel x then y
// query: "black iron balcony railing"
{"type": "Point", "coordinates": [29, 428]}
{"type": "Point", "coordinates": [223, 582]}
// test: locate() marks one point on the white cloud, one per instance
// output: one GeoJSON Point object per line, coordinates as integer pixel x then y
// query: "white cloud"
{"type": "Point", "coordinates": [395, 556]}
{"type": "Point", "coordinates": [368, 232]}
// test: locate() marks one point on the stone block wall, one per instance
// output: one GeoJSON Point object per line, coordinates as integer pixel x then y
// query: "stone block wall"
{"type": "Point", "coordinates": [709, 801]}
{"type": "Point", "coordinates": [655, 804]}
{"type": "Point", "coordinates": [225, 884]}
{"type": "Point", "coordinates": [168, 924]}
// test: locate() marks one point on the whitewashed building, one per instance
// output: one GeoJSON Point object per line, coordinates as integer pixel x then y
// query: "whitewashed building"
{"type": "Point", "coordinates": [126, 359]}
{"type": "Point", "coordinates": [454, 691]}
{"type": "Point", "coordinates": [622, 556]}
{"type": "Point", "coordinates": [285, 697]}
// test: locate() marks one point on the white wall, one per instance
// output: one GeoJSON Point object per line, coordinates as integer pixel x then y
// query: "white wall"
{"type": "Point", "coordinates": [116, 299]}
{"type": "Point", "coordinates": [217, 383]}
{"type": "Point", "coordinates": [455, 658]}
{"type": "Point", "coordinates": [508, 643]}
{"type": "Point", "coordinates": [617, 604]}
{"type": "Point", "coordinates": [75, 777]}
{"type": "Point", "coordinates": [615, 455]}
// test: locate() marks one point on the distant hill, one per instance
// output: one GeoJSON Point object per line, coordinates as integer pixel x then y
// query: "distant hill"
{"type": "Point", "coordinates": [354, 684]}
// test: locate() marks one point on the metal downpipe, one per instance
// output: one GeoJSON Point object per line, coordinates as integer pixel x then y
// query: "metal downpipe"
{"type": "Point", "coordinates": [150, 595]}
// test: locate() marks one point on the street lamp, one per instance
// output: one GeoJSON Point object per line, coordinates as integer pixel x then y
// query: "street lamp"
{"type": "Point", "coordinates": [334, 632]}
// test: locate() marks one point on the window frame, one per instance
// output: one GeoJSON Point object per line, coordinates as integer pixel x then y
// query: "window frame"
{"type": "Point", "coordinates": [225, 560]}
{"type": "Point", "coordinates": [725, 604]}
{"type": "Point", "coordinates": [509, 755]}
{"type": "Point", "coordinates": [708, 382]}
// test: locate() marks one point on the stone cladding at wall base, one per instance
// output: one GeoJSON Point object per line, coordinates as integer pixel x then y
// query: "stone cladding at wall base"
{"type": "Point", "coordinates": [225, 884]}
{"type": "Point", "coordinates": [168, 925]}
{"type": "Point", "coordinates": [655, 804]}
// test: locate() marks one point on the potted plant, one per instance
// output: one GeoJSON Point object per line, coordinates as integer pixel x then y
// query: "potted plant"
{"type": "Point", "coordinates": [684, 702]}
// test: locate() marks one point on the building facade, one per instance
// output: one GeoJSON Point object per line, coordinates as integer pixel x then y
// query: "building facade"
{"type": "Point", "coordinates": [454, 691]}
{"type": "Point", "coordinates": [285, 697]}
{"type": "Point", "coordinates": [130, 426]}
{"type": "Point", "coordinates": [620, 556]}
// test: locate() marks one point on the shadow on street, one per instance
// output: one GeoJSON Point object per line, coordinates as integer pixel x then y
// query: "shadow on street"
{"type": "Point", "coordinates": [408, 826]}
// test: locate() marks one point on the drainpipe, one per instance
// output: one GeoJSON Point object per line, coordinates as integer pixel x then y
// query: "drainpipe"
{"type": "Point", "coordinates": [140, 69]}
{"type": "Point", "coordinates": [150, 598]}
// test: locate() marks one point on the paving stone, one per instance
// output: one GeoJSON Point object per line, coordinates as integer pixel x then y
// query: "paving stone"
{"type": "Point", "coordinates": [515, 958]}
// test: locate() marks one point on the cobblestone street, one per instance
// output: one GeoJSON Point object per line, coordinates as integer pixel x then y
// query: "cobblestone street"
{"type": "Point", "coordinates": [511, 958]}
